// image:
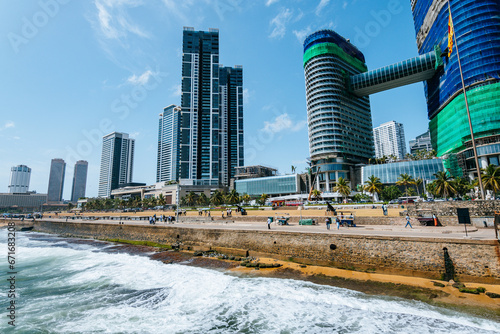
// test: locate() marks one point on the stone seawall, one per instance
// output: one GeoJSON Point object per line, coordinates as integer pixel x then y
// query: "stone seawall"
{"type": "Point", "coordinates": [471, 260]}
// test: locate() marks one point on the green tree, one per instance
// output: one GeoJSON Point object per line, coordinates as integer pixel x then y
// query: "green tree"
{"type": "Point", "coordinates": [462, 186]}
{"type": "Point", "coordinates": [70, 206]}
{"type": "Point", "coordinates": [233, 197]}
{"type": "Point", "coordinates": [217, 198]}
{"type": "Point", "coordinates": [293, 169]}
{"type": "Point", "coordinates": [444, 184]}
{"type": "Point", "coordinates": [491, 178]}
{"type": "Point", "coordinates": [390, 192]}
{"type": "Point", "coordinates": [161, 200]}
{"type": "Point", "coordinates": [373, 186]}
{"type": "Point", "coordinates": [405, 180]}
{"type": "Point", "coordinates": [191, 198]}
{"type": "Point", "coordinates": [203, 199]}
{"type": "Point", "coordinates": [263, 198]}
{"type": "Point", "coordinates": [342, 187]}
{"type": "Point", "coordinates": [316, 195]}
{"type": "Point", "coordinates": [418, 182]}
{"type": "Point", "coordinates": [246, 198]}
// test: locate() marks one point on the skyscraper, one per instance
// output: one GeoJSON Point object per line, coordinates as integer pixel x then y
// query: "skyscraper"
{"type": "Point", "coordinates": [231, 121]}
{"type": "Point", "coordinates": [19, 179]}
{"type": "Point", "coordinates": [79, 180]}
{"type": "Point", "coordinates": [477, 29]}
{"type": "Point", "coordinates": [56, 181]}
{"type": "Point", "coordinates": [167, 166]}
{"type": "Point", "coordinates": [421, 142]}
{"type": "Point", "coordinates": [389, 139]}
{"type": "Point", "coordinates": [117, 161]}
{"type": "Point", "coordinates": [202, 150]}
{"type": "Point", "coordinates": [339, 123]}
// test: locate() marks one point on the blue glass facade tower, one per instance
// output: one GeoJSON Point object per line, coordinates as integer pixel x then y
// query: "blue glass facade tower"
{"type": "Point", "coordinates": [117, 160]}
{"type": "Point", "coordinates": [477, 29]}
{"type": "Point", "coordinates": [211, 119]}
{"type": "Point", "coordinates": [56, 181]}
{"type": "Point", "coordinates": [167, 167]}
{"type": "Point", "coordinates": [79, 180]}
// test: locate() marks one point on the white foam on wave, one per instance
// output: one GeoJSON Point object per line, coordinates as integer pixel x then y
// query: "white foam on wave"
{"type": "Point", "coordinates": [94, 291]}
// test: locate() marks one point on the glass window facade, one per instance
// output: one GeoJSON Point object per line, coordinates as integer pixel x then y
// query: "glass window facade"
{"type": "Point", "coordinates": [274, 185]}
{"type": "Point", "coordinates": [390, 172]}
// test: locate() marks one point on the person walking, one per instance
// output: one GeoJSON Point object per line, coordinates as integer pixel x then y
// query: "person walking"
{"type": "Point", "coordinates": [337, 220]}
{"type": "Point", "coordinates": [408, 221]}
{"type": "Point", "coordinates": [269, 221]}
{"type": "Point", "coordinates": [435, 220]}
{"type": "Point", "coordinates": [328, 222]}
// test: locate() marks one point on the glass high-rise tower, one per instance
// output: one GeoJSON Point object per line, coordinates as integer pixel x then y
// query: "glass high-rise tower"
{"type": "Point", "coordinates": [477, 28]}
{"type": "Point", "coordinates": [167, 166]}
{"type": "Point", "coordinates": [211, 120]}
{"type": "Point", "coordinates": [56, 181]}
{"type": "Point", "coordinates": [339, 123]}
{"type": "Point", "coordinates": [117, 160]}
{"type": "Point", "coordinates": [79, 180]}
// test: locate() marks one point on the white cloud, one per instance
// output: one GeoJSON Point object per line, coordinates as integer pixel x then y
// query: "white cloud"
{"type": "Point", "coordinates": [279, 22]}
{"type": "Point", "coordinates": [134, 135]}
{"type": "Point", "coordinates": [301, 34]}
{"type": "Point", "coordinates": [322, 4]}
{"type": "Point", "coordinates": [141, 79]}
{"type": "Point", "coordinates": [344, 5]}
{"type": "Point", "coordinates": [113, 20]}
{"type": "Point", "coordinates": [8, 124]}
{"type": "Point", "coordinates": [281, 123]}
{"type": "Point", "coordinates": [270, 2]}
{"type": "Point", "coordinates": [176, 90]}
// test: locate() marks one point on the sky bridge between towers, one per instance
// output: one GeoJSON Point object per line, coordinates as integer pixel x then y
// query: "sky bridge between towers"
{"type": "Point", "coordinates": [396, 75]}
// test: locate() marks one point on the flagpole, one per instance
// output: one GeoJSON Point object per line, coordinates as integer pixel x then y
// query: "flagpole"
{"type": "Point", "coordinates": [467, 107]}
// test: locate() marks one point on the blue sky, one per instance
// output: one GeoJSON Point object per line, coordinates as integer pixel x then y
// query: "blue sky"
{"type": "Point", "coordinates": [73, 71]}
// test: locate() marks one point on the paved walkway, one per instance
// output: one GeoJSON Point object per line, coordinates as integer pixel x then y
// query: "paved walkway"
{"type": "Point", "coordinates": [397, 230]}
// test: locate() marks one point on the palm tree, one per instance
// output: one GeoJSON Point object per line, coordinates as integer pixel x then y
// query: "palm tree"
{"type": "Point", "coordinates": [263, 198]}
{"type": "Point", "coordinates": [246, 198]}
{"type": "Point", "coordinates": [405, 180]}
{"type": "Point", "coordinates": [373, 186]}
{"type": "Point", "coordinates": [202, 199]}
{"type": "Point", "coordinates": [217, 198]}
{"type": "Point", "coordinates": [443, 184]}
{"type": "Point", "coordinates": [161, 200]}
{"type": "Point", "coordinates": [233, 197]}
{"type": "Point", "coordinates": [491, 178]}
{"type": "Point", "coordinates": [342, 187]}
{"type": "Point", "coordinates": [316, 194]}
{"type": "Point", "coordinates": [191, 198]}
{"type": "Point", "coordinates": [293, 169]}
{"type": "Point", "coordinates": [418, 181]}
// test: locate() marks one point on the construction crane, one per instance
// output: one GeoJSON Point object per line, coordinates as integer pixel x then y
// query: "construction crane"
{"type": "Point", "coordinates": [312, 184]}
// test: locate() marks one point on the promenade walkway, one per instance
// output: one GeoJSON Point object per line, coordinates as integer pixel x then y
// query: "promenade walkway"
{"type": "Point", "coordinates": [396, 230]}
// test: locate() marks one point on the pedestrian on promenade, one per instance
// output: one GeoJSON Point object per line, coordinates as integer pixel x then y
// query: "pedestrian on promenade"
{"type": "Point", "coordinates": [222, 214]}
{"type": "Point", "coordinates": [328, 222]}
{"type": "Point", "coordinates": [435, 220]}
{"type": "Point", "coordinates": [269, 223]}
{"type": "Point", "coordinates": [408, 221]}
{"type": "Point", "coordinates": [337, 220]}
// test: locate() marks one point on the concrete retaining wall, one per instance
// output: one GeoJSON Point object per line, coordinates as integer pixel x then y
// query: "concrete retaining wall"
{"type": "Point", "coordinates": [472, 260]}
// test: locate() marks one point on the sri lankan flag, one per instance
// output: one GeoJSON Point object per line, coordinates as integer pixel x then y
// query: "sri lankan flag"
{"type": "Point", "coordinates": [450, 34]}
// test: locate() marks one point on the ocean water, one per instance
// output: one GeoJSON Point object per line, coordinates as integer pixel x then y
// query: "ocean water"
{"type": "Point", "coordinates": [68, 287]}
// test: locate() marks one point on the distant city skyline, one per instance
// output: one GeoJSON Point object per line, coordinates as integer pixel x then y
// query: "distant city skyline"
{"type": "Point", "coordinates": [79, 180]}
{"type": "Point", "coordinates": [56, 181]}
{"type": "Point", "coordinates": [122, 90]}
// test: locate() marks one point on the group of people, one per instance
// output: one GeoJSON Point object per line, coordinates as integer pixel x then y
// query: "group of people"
{"type": "Point", "coordinates": [162, 218]}
{"type": "Point", "coordinates": [229, 212]}
{"type": "Point", "coordinates": [205, 213]}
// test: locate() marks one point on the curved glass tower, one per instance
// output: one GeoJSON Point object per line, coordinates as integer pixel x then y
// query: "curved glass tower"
{"type": "Point", "coordinates": [477, 28]}
{"type": "Point", "coordinates": [339, 122]}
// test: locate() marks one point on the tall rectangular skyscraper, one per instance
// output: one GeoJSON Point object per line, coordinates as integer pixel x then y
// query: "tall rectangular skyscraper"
{"type": "Point", "coordinates": [231, 121]}
{"type": "Point", "coordinates": [389, 139]}
{"type": "Point", "coordinates": [56, 181]}
{"type": "Point", "coordinates": [211, 122]}
{"type": "Point", "coordinates": [167, 166]}
{"type": "Point", "coordinates": [117, 161]}
{"type": "Point", "coordinates": [79, 180]}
